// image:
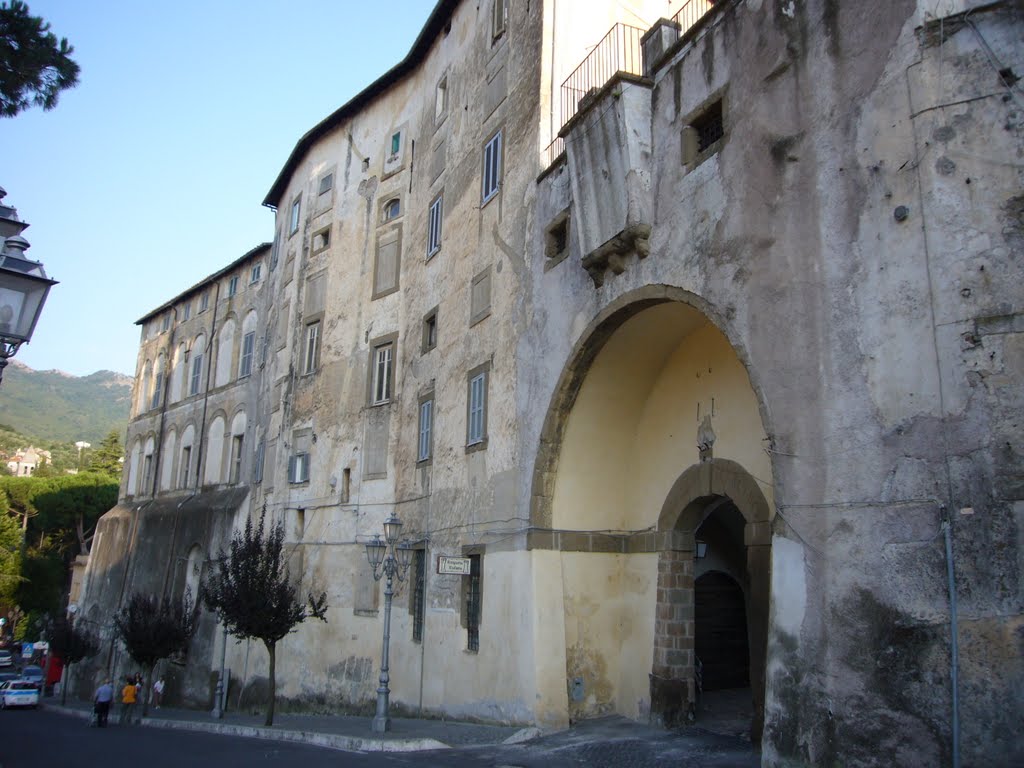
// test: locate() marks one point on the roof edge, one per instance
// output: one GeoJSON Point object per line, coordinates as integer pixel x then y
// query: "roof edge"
{"type": "Point", "coordinates": [439, 16]}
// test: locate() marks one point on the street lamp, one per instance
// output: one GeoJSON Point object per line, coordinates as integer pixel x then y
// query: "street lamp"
{"type": "Point", "coordinates": [388, 558]}
{"type": "Point", "coordinates": [23, 286]}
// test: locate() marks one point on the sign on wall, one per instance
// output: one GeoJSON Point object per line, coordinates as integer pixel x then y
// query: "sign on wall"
{"type": "Point", "coordinates": [453, 566]}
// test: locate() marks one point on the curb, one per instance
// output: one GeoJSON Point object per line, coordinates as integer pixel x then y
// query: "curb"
{"type": "Point", "coordinates": [315, 738]}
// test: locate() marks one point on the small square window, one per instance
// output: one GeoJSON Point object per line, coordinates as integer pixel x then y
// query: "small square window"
{"type": "Point", "coordinates": [491, 177]}
{"type": "Point", "coordinates": [430, 330]}
{"type": "Point", "coordinates": [703, 133]}
{"type": "Point", "coordinates": [441, 100]}
{"type": "Point", "coordinates": [396, 143]}
{"type": "Point", "coordinates": [326, 184]}
{"type": "Point", "coordinates": [434, 226]}
{"type": "Point", "coordinates": [293, 218]}
{"type": "Point", "coordinates": [256, 273]}
{"type": "Point", "coordinates": [322, 240]}
{"type": "Point", "coordinates": [232, 286]}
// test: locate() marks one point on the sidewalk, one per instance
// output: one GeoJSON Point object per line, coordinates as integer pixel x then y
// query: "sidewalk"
{"type": "Point", "coordinates": [332, 731]}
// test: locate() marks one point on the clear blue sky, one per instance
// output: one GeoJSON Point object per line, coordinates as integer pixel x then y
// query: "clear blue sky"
{"type": "Point", "coordinates": [151, 173]}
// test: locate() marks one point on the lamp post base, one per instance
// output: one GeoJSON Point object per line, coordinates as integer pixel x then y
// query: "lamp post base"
{"type": "Point", "coordinates": [381, 724]}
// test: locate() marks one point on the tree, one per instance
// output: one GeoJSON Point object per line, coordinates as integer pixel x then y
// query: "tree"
{"type": "Point", "coordinates": [250, 590]}
{"type": "Point", "coordinates": [107, 458]}
{"type": "Point", "coordinates": [72, 643]}
{"type": "Point", "coordinates": [154, 629]}
{"type": "Point", "coordinates": [34, 65]}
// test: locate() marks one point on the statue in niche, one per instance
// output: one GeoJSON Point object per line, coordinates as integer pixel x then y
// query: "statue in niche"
{"type": "Point", "coordinates": [705, 438]}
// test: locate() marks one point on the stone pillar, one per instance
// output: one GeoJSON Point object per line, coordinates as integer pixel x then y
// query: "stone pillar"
{"type": "Point", "coordinates": [673, 689]}
{"type": "Point", "coordinates": [656, 41]}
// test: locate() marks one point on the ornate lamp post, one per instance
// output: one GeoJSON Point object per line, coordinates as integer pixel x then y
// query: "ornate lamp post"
{"type": "Point", "coordinates": [390, 559]}
{"type": "Point", "coordinates": [23, 286]}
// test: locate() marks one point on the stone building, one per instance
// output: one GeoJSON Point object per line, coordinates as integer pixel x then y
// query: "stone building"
{"type": "Point", "coordinates": [706, 355]}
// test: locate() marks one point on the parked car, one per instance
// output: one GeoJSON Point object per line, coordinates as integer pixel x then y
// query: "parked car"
{"type": "Point", "coordinates": [6, 658]}
{"type": "Point", "coordinates": [18, 693]}
{"type": "Point", "coordinates": [33, 674]}
{"type": "Point", "coordinates": [5, 676]}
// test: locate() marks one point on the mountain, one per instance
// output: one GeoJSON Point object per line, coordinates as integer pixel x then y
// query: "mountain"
{"type": "Point", "coordinates": [53, 405]}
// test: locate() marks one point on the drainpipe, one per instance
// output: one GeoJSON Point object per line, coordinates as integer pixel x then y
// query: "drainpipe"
{"type": "Point", "coordinates": [954, 642]}
{"type": "Point", "coordinates": [206, 394]}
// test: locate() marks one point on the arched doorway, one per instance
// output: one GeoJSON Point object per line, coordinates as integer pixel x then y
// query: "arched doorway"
{"type": "Point", "coordinates": [653, 388]}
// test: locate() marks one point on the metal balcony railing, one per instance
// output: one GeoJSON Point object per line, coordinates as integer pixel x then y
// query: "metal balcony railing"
{"type": "Point", "coordinates": [691, 12]}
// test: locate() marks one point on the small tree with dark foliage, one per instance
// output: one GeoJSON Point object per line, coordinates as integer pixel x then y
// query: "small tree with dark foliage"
{"type": "Point", "coordinates": [154, 629]}
{"type": "Point", "coordinates": [250, 590]}
{"type": "Point", "coordinates": [72, 643]}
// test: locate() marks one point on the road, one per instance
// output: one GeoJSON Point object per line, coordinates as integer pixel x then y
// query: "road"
{"type": "Point", "coordinates": [41, 739]}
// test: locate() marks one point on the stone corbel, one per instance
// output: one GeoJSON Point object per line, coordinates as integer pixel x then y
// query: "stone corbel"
{"type": "Point", "coordinates": [613, 254]}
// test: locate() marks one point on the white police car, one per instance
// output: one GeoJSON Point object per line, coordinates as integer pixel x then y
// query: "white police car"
{"type": "Point", "coordinates": [19, 693]}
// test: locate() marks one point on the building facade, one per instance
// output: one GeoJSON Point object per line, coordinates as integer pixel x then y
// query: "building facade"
{"type": "Point", "coordinates": [705, 356]}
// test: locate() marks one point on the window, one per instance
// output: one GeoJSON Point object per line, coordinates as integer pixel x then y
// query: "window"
{"type": "Point", "coordinates": [312, 356]}
{"type": "Point", "coordinates": [186, 311]}
{"type": "Point", "coordinates": [256, 273]}
{"type": "Point", "coordinates": [476, 408]}
{"type": "Point", "coordinates": [386, 268]}
{"type": "Point", "coordinates": [704, 131]}
{"type": "Point", "coordinates": [392, 209]}
{"type": "Point", "coordinates": [186, 466]}
{"type": "Point", "coordinates": [709, 126]}
{"type": "Point", "coordinates": [556, 236]}
{"type": "Point", "coordinates": [298, 468]}
{"type": "Point", "coordinates": [430, 330]}
{"type": "Point", "coordinates": [322, 239]}
{"type": "Point", "coordinates": [158, 387]}
{"type": "Point", "coordinates": [492, 167]}
{"type": "Point", "coordinates": [248, 348]}
{"type": "Point", "coordinates": [293, 218]}
{"type": "Point", "coordinates": [236, 458]}
{"type": "Point", "coordinates": [232, 286]}
{"type": "Point", "coordinates": [276, 250]}
{"type": "Point", "coordinates": [204, 302]}
{"type": "Point", "coordinates": [480, 297]}
{"type": "Point", "coordinates": [425, 442]}
{"type": "Point", "coordinates": [396, 143]}
{"type": "Point", "coordinates": [441, 100]}
{"type": "Point", "coordinates": [165, 324]}
{"type": "Point", "coordinates": [383, 369]}
{"type": "Point", "coordinates": [197, 371]}
{"type": "Point", "coordinates": [257, 465]}
{"type": "Point", "coordinates": [499, 18]}
{"type": "Point", "coordinates": [147, 473]}
{"type": "Point", "coordinates": [418, 593]}
{"type": "Point", "coordinates": [434, 226]}
{"type": "Point", "coordinates": [472, 600]}
{"type": "Point", "coordinates": [323, 192]}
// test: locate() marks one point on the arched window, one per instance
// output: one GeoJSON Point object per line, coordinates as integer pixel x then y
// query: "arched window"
{"type": "Point", "coordinates": [225, 353]}
{"type": "Point", "coordinates": [215, 452]}
{"type": "Point", "coordinates": [392, 209]}
{"type": "Point", "coordinates": [186, 472]}
{"type": "Point", "coordinates": [195, 362]}
{"type": "Point", "coordinates": [134, 457]}
{"type": "Point", "coordinates": [237, 448]}
{"type": "Point", "coordinates": [177, 373]}
{"type": "Point", "coordinates": [142, 404]}
{"type": "Point", "coordinates": [157, 394]}
{"type": "Point", "coordinates": [167, 461]}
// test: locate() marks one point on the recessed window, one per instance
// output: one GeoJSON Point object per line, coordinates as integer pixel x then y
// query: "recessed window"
{"type": "Point", "coordinates": [158, 389]}
{"type": "Point", "coordinates": [499, 18]}
{"type": "Point", "coordinates": [235, 472]}
{"type": "Point", "coordinates": [298, 468]}
{"type": "Point", "coordinates": [426, 429]}
{"type": "Point", "coordinates": [195, 379]}
{"type": "Point", "coordinates": [383, 370]}
{"type": "Point", "coordinates": [476, 408]}
{"type": "Point", "coordinates": [326, 184]}
{"type": "Point", "coordinates": [434, 226]}
{"type": "Point", "coordinates": [165, 325]}
{"type": "Point", "coordinates": [204, 302]}
{"type": "Point", "coordinates": [232, 286]}
{"type": "Point", "coordinates": [386, 268]}
{"type": "Point", "coordinates": [396, 143]}
{"type": "Point", "coordinates": [248, 349]}
{"type": "Point", "coordinates": [185, 469]}
{"type": "Point", "coordinates": [441, 100]}
{"type": "Point", "coordinates": [392, 209]}
{"type": "Point", "coordinates": [418, 593]}
{"type": "Point", "coordinates": [312, 356]}
{"type": "Point", "coordinates": [492, 167]}
{"type": "Point", "coordinates": [704, 132]}
{"type": "Point", "coordinates": [256, 273]}
{"type": "Point", "coordinates": [293, 217]}
{"type": "Point", "coordinates": [430, 330]}
{"type": "Point", "coordinates": [322, 240]}
{"type": "Point", "coordinates": [147, 473]}
{"type": "Point", "coordinates": [186, 311]}
{"type": "Point", "coordinates": [257, 465]}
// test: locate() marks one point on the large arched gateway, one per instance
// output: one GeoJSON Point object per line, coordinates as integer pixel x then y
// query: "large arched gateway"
{"type": "Point", "coordinates": [653, 473]}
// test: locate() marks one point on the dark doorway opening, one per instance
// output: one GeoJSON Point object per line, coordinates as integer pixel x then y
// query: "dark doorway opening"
{"type": "Point", "coordinates": [720, 641]}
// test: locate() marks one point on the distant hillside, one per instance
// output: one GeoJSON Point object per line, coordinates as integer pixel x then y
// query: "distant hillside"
{"type": "Point", "coordinates": [53, 405]}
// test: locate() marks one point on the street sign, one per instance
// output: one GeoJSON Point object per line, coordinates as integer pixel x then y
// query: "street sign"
{"type": "Point", "coordinates": [453, 566]}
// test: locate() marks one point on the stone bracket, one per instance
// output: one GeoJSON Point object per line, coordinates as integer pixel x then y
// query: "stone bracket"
{"type": "Point", "coordinates": [613, 254]}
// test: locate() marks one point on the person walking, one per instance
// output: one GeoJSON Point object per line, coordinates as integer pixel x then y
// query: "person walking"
{"type": "Point", "coordinates": [128, 698]}
{"type": "Point", "coordinates": [158, 692]}
{"type": "Point", "coordinates": [104, 695]}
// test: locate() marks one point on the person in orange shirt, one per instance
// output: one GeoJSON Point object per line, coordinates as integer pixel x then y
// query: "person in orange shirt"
{"type": "Point", "coordinates": [129, 694]}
